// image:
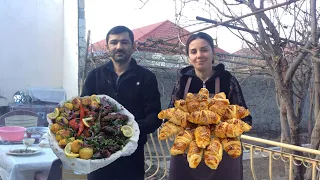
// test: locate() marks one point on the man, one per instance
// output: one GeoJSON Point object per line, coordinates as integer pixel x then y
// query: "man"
{"type": "Point", "coordinates": [135, 88]}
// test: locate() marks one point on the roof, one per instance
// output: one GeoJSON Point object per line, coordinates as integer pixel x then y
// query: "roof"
{"type": "Point", "coordinates": [247, 52]}
{"type": "Point", "coordinates": [153, 33]}
{"type": "Point", "coordinates": [248, 55]}
{"type": "Point", "coordinates": [143, 32]}
{"type": "Point", "coordinates": [219, 50]}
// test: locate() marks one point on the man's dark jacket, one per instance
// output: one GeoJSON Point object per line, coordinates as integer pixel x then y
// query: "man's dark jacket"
{"type": "Point", "coordinates": [136, 89]}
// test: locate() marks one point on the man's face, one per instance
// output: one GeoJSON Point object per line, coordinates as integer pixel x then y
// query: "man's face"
{"type": "Point", "coordinates": [120, 47]}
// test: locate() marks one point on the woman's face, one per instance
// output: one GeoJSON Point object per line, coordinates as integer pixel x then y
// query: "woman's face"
{"type": "Point", "coordinates": [200, 54]}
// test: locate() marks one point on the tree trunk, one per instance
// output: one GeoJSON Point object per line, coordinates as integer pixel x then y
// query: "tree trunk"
{"type": "Point", "coordinates": [310, 114]}
{"type": "Point", "coordinates": [298, 171]}
{"type": "Point", "coordinates": [315, 137]}
{"type": "Point", "coordinates": [285, 137]}
{"type": "Point", "coordinates": [315, 140]}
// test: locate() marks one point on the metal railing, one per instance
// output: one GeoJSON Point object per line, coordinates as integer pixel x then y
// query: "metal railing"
{"type": "Point", "coordinates": [292, 159]}
{"type": "Point", "coordinates": [157, 154]}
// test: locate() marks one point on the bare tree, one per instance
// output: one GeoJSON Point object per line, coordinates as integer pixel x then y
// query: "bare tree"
{"type": "Point", "coordinates": [286, 49]}
{"type": "Point", "coordinates": [315, 50]}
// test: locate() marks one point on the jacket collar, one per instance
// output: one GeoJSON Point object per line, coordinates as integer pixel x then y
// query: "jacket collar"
{"type": "Point", "coordinates": [109, 67]}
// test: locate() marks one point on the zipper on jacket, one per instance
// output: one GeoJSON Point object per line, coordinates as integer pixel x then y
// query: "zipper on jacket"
{"type": "Point", "coordinates": [120, 80]}
{"type": "Point", "coordinates": [111, 85]}
{"type": "Point", "coordinates": [117, 85]}
{"type": "Point", "coordinates": [203, 84]}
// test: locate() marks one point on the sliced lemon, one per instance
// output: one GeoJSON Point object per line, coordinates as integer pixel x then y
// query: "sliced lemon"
{"type": "Point", "coordinates": [85, 121]}
{"type": "Point", "coordinates": [95, 98]}
{"type": "Point", "coordinates": [54, 114]}
{"type": "Point", "coordinates": [127, 130]}
{"type": "Point", "coordinates": [68, 152]}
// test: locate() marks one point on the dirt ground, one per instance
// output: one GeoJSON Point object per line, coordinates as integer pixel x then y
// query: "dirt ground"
{"type": "Point", "coordinates": [262, 169]}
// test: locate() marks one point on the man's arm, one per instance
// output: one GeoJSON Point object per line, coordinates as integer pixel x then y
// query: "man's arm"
{"type": "Point", "coordinates": [152, 106]}
{"type": "Point", "coordinates": [89, 85]}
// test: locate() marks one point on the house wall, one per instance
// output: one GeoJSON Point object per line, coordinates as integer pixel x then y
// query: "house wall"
{"type": "Point", "coordinates": [70, 63]}
{"type": "Point", "coordinates": [82, 41]}
{"type": "Point", "coordinates": [38, 46]}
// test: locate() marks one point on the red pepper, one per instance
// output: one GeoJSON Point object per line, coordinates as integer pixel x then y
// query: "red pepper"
{"type": "Point", "coordinates": [73, 124]}
{"type": "Point", "coordinates": [81, 125]}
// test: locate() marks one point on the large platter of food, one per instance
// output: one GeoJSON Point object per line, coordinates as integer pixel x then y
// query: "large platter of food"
{"type": "Point", "coordinates": [204, 127]}
{"type": "Point", "coordinates": [88, 133]}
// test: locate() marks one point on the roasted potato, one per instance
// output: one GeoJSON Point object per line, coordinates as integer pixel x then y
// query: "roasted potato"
{"type": "Point", "coordinates": [55, 127]}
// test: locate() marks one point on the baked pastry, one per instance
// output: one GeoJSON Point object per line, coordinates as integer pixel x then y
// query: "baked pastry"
{"type": "Point", "coordinates": [202, 136]}
{"type": "Point", "coordinates": [168, 129]}
{"type": "Point", "coordinates": [194, 155]}
{"type": "Point", "coordinates": [182, 142]}
{"type": "Point", "coordinates": [213, 153]}
{"type": "Point", "coordinates": [232, 146]}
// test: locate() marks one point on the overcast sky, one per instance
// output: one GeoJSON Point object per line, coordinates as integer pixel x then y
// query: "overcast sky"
{"type": "Point", "coordinates": [102, 15]}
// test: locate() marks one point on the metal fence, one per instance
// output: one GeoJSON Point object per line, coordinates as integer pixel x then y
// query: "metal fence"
{"type": "Point", "coordinates": [156, 156]}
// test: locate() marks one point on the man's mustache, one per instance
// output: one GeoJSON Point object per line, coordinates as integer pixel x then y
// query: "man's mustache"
{"type": "Point", "coordinates": [120, 51]}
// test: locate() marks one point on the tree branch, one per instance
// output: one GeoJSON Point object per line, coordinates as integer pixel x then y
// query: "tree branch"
{"type": "Point", "coordinates": [223, 14]}
{"type": "Point", "coordinates": [143, 3]}
{"type": "Point", "coordinates": [271, 27]}
{"type": "Point", "coordinates": [292, 69]}
{"type": "Point", "coordinates": [261, 4]}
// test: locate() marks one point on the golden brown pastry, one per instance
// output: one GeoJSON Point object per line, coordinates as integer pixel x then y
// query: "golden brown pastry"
{"type": "Point", "coordinates": [203, 98]}
{"type": "Point", "coordinates": [203, 94]}
{"type": "Point", "coordinates": [204, 117]}
{"type": "Point", "coordinates": [194, 155]}
{"type": "Point", "coordinates": [193, 106]}
{"type": "Point", "coordinates": [236, 111]}
{"type": "Point", "coordinates": [213, 153]}
{"type": "Point", "coordinates": [202, 136]}
{"type": "Point", "coordinates": [169, 129]}
{"type": "Point", "coordinates": [244, 126]}
{"type": "Point", "coordinates": [182, 142]}
{"type": "Point", "coordinates": [232, 146]}
{"type": "Point", "coordinates": [219, 106]}
{"type": "Point", "coordinates": [180, 118]}
{"type": "Point", "coordinates": [181, 104]}
{"type": "Point", "coordinates": [220, 95]}
{"type": "Point", "coordinates": [190, 97]}
{"type": "Point", "coordinates": [203, 105]}
{"type": "Point", "coordinates": [166, 114]}
{"type": "Point", "coordinates": [175, 116]}
{"type": "Point", "coordinates": [192, 103]}
{"type": "Point", "coordinates": [225, 129]}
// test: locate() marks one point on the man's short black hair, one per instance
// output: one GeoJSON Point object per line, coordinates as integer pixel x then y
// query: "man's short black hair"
{"type": "Point", "coordinates": [118, 30]}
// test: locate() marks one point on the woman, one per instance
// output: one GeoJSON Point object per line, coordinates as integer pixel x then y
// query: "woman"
{"type": "Point", "coordinates": [201, 73]}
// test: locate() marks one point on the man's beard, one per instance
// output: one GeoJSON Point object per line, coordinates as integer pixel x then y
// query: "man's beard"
{"type": "Point", "coordinates": [122, 58]}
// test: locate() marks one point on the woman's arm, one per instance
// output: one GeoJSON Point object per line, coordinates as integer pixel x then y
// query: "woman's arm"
{"type": "Point", "coordinates": [236, 97]}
